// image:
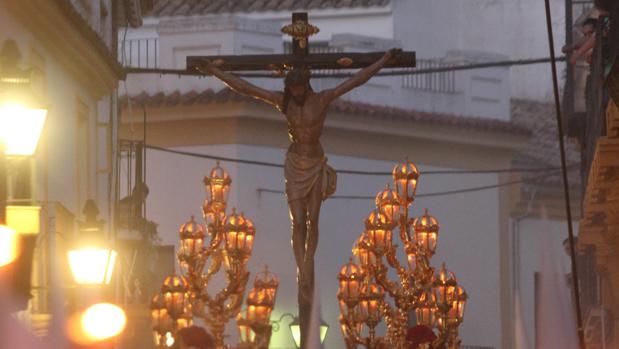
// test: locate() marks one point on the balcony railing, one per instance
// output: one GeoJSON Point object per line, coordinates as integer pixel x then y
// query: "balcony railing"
{"type": "Point", "coordinates": [139, 53]}
{"type": "Point", "coordinates": [439, 82]}
{"type": "Point", "coordinates": [597, 99]}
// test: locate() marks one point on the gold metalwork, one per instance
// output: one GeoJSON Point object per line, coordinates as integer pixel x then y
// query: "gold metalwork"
{"type": "Point", "coordinates": [345, 62]}
{"type": "Point", "coordinates": [437, 301]}
{"type": "Point", "coordinates": [301, 31]}
{"type": "Point", "coordinates": [230, 244]}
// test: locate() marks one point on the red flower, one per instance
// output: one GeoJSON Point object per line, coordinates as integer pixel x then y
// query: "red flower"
{"type": "Point", "coordinates": [418, 335]}
{"type": "Point", "coordinates": [197, 337]}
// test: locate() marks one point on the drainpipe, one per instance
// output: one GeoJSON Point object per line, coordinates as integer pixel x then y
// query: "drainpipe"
{"type": "Point", "coordinates": [532, 192]}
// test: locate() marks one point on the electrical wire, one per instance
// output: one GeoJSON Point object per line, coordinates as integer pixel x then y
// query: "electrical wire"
{"type": "Point", "coordinates": [424, 195]}
{"type": "Point", "coordinates": [352, 172]}
{"type": "Point", "coordinates": [566, 191]}
{"type": "Point", "coordinates": [413, 71]}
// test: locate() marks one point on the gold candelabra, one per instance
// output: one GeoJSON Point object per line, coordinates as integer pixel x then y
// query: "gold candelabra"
{"type": "Point", "coordinates": [436, 301]}
{"type": "Point", "coordinates": [230, 244]}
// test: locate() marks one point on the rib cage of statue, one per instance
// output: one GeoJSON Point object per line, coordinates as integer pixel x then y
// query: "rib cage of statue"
{"type": "Point", "coordinates": [435, 299]}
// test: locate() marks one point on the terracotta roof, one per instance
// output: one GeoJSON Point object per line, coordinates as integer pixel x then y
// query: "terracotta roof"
{"type": "Point", "coordinates": [162, 100]}
{"type": "Point", "coordinates": [542, 150]}
{"type": "Point", "coordinates": [165, 8]}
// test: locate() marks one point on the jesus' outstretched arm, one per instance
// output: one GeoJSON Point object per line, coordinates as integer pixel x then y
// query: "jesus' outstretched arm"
{"type": "Point", "coordinates": [244, 87]}
{"type": "Point", "coordinates": [361, 77]}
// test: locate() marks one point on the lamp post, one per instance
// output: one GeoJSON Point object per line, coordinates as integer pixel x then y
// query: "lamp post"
{"type": "Point", "coordinates": [21, 122]}
{"type": "Point", "coordinates": [436, 301]}
{"type": "Point", "coordinates": [91, 258]}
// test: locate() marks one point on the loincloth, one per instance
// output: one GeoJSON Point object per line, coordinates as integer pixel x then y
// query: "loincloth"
{"type": "Point", "coordinates": [303, 173]}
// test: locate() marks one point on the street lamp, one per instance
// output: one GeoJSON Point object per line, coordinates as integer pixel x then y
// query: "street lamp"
{"type": "Point", "coordinates": [21, 122]}
{"type": "Point", "coordinates": [22, 116]}
{"type": "Point", "coordinates": [92, 260]}
{"type": "Point", "coordinates": [295, 328]}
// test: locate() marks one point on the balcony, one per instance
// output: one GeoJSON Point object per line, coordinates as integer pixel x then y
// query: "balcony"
{"type": "Point", "coordinates": [598, 134]}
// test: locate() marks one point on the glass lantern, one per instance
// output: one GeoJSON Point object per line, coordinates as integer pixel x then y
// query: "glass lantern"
{"type": "Point", "coordinates": [372, 297]}
{"type": "Point", "coordinates": [161, 321]}
{"type": "Point", "coordinates": [218, 187]}
{"type": "Point", "coordinates": [175, 291]}
{"type": "Point", "coordinates": [426, 310]}
{"type": "Point", "coordinates": [455, 315]}
{"type": "Point", "coordinates": [425, 233]}
{"type": "Point", "coordinates": [350, 278]}
{"type": "Point", "coordinates": [444, 288]}
{"type": "Point", "coordinates": [405, 177]}
{"type": "Point", "coordinates": [238, 236]}
{"type": "Point", "coordinates": [191, 239]}
{"type": "Point", "coordinates": [388, 203]}
{"type": "Point", "coordinates": [267, 281]}
{"type": "Point", "coordinates": [378, 232]}
{"type": "Point", "coordinates": [363, 252]}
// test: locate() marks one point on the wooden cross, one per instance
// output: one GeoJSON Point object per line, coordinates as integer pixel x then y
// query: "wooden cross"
{"type": "Point", "coordinates": [300, 30]}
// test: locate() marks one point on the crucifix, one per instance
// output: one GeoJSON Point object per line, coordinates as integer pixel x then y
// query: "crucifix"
{"type": "Point", "coordinates": [308, 178]}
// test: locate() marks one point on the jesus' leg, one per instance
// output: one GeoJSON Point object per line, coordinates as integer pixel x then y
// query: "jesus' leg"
{"type": "Point", "coordinates": [314, 201]}
{"type": "Point", "coordinates": [298, 216]}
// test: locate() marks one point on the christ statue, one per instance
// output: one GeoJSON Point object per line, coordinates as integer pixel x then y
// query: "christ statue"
{"type": "Point", "coordinates": [309, 179]}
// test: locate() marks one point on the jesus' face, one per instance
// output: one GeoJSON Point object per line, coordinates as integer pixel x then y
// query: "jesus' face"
{"type": "Point", "coordinates": [298, 93]}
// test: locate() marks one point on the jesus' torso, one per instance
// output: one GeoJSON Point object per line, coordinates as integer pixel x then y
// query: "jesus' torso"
{"type": "Point", "coordinates": [305, 123]}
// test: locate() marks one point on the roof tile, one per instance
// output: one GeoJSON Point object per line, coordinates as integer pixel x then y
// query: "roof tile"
{"type": "Point", "coordinates": [165, 8]}
{"type": "Point", "coordinates": [356, 108]}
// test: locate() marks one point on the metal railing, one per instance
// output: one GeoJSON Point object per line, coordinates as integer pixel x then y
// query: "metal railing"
{"type": "Point", "coordinates": [580, 6]}
{"type": "Point", "coordinates": [139, 53]}
{"type": "Point", "coordinates": [442, 82]}
{"type": "Point", "coordinates": [596, 96]}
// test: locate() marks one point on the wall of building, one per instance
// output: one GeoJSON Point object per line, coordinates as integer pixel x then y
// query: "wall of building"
{"type": "Point", "coordinates": [513, 28]}
{"type": "Point", "coordinates": [530, 248]}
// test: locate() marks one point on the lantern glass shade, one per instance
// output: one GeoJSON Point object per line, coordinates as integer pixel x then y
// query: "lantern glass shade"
{"type": "Point", "coordinates": [20, 127]}
{"type": "Point", "coordinates": [425, 233]}
{"type": "Point", "coordinates": [238, 238]}
{"type": "Point", "coordinates": [268, 282]}
{"type": "Point", "coordinates": [191, 236]}
{"type": "Point", "coordinates": [456, 313]}
{"type": "Point", "coordinates": [372, 296]}
{"type": "Point", "coordinates": [364, 254]}
{"type": "Point", "coordinates": [175, 295]}
{"type": "Point", "coordinates": [388, 203]}
{"type": "Point", "coordinates": [24, 219]}
{"type": "Point", "coordinates": [427, 310]}
{"type": "Point", "coordinates": [405, 178]}
{"type": "Point", "coordinates": [9, 245]}
{"type": "Point", "coordinates": [378, 232]}
{"type": "Point", "coordinates": [92, 266]}
{"type": "Point", "coordinates": [295, 330]}
{"type": "Point", "coordinates": [246, 334]}
{"type": "Point", "coordinates": [218, 186]}
{"type": "Point", "coordinates": [445, 287]}
{"type": "Point", "coordinates": [350, 278]}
